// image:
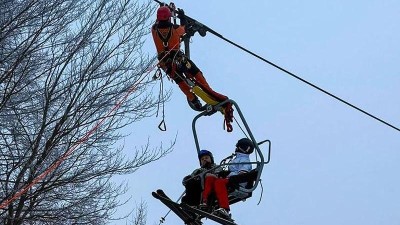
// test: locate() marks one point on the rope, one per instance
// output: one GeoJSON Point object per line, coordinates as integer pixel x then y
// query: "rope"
{"type": "Point", "coordinates": [162, 126]}
{"type": "Point", "coordinates": [262, 190]}
{"type": "Point", "coordinates": [241, 128]}
{"type": "Point", "coordinates": [245, 134]}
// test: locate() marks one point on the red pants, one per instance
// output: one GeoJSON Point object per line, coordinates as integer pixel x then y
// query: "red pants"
{"type": "Point", "coordinates": [218, 185]}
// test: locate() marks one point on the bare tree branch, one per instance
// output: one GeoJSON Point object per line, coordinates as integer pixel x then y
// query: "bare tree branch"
{"type": "Point", "coordinates": [64, 64]}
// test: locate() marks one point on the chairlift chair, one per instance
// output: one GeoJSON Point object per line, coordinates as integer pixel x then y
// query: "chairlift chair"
{"type": "Point", "coordinates": [238, 193]}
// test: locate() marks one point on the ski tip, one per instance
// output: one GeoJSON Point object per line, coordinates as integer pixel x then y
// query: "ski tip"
{"type": "Point", "coordinates": [155, 195]}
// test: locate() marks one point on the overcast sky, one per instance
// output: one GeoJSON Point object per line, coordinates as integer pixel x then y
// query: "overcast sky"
{"type": "Point", "coordinates": [330, 163]}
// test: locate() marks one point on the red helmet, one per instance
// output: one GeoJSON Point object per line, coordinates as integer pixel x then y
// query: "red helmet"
{"type": "Point", "coordinates": [163, 13]}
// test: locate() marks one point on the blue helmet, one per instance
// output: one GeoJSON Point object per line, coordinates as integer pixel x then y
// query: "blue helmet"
{"type": "Point", "coordinates": [206, 152]}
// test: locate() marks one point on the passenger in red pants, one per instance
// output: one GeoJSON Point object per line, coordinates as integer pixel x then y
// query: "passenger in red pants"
{"type": "Point", "coordinates": [174, 62]}
{"type": "Point", "coordinates": [244, 147]}
{"type": "Point", "coordinates": [192, 182]}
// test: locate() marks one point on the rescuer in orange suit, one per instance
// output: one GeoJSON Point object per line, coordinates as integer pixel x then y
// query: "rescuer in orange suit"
{"type": "Point", "coordinates": [167, 37]}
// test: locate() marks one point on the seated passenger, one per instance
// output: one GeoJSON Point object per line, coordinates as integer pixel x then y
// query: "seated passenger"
{"type": "Point", "coordinates": [219, 185]}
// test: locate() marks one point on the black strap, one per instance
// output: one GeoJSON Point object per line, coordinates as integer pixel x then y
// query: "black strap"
{"type": "Point", "coordinates": [166, 38]}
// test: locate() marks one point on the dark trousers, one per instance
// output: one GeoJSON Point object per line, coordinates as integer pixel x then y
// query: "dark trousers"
{"type": "Point", "coordinates": [192, 196]}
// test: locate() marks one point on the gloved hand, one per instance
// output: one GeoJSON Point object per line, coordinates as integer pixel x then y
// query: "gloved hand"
{"type": "Point", "coordinates": [186, 179]}
{"type": "Point", "coordinates": [180, 13]}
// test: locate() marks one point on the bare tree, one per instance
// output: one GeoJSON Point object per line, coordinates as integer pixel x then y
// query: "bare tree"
{"type": "Point", "coordinates": [64, 67]}
{"type": "Point", "coordinates": [140, 215]}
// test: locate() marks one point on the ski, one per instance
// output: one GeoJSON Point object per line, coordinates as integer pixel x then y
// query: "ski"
{"type": "Point", "coordinates": [207, 215]}
{"type": "Point", "coordinates": [176, 208]}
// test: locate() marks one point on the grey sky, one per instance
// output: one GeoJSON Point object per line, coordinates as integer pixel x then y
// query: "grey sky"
{"type": "Point", "coordinates": [330, 164]}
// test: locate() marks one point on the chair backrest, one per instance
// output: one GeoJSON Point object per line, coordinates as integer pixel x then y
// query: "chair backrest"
{"type": "Point", "coordinates": [236, 191]}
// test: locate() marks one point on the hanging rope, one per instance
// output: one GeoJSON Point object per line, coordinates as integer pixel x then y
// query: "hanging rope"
{"type": "Point", "coordinates": [158, 75]}
{"type": "Point", "coordinates": [262, 190]}
{"type": "Point", "coordinates": [241, 128]}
